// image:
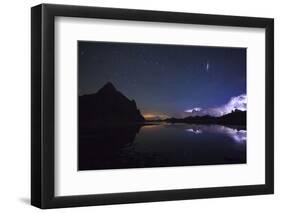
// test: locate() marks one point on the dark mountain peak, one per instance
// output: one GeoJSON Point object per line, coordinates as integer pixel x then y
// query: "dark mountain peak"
{"type": "Point", "coordinates": [108, 87]}
{"type": "Point", "coordinates": [108, 105]}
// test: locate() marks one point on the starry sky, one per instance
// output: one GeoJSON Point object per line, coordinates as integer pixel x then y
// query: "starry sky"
{"type": "Point", "coordinates": [164, 80]}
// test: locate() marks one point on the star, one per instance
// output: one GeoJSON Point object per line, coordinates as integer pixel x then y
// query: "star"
{"type": "Point", "coordinates": [207, 66]}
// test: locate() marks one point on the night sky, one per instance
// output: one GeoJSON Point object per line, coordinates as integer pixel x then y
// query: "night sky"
{"type": "Point", "coordinates": [164, 80]}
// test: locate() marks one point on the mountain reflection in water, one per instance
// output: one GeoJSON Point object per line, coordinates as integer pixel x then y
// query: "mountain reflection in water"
{"type": "Point", "coordinates": [137, 146]}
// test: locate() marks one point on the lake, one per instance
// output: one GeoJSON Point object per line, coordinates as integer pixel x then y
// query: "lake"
{"type": "Point", "coordinates": [159, 145]}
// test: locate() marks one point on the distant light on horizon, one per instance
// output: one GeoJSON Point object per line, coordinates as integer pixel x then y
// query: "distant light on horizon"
{"type": "Point", "coordinates": [152, 116]}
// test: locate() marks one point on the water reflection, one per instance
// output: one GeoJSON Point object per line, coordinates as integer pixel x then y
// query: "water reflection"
{"type": "Point", "coordinates": [158, 145]}
{"type": "Point", "coordinates": [238, 135]}
{"type": "Point", "coordinates": [195, 131]}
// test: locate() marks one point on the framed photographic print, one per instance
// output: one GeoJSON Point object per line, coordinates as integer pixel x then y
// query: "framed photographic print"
{"type": "Point", "coordinates": [139, 106]}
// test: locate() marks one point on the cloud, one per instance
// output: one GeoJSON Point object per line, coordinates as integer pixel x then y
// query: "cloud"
{"type": "Point", "coordinates": [237, 102]}
{"type": "Point", "coordinates": [196, 109]}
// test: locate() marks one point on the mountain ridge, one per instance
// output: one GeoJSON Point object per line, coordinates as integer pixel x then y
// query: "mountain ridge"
{"type": "Point", "coordinates": [236, 117]}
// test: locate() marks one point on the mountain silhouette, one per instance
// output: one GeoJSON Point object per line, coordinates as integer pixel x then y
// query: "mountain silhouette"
{"type": "Point", "coordinates": [107, 106]}
{"type": "Point", "coordinates": [236, 117]}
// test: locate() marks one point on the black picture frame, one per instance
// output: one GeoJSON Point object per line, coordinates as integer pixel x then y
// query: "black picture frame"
{"type": "Point", "coordinates": [43, 113]}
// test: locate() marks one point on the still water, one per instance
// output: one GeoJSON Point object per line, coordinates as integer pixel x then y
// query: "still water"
{"type": "Point", "coordinates": [160, 145]}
